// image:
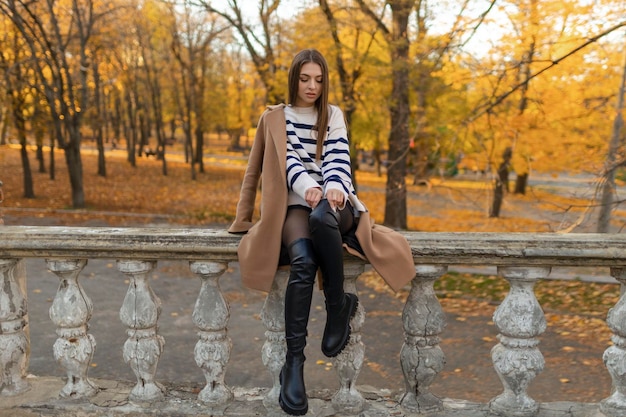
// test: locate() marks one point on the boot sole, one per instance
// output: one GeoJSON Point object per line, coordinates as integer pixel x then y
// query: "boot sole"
{"type": "Point", "coordinates": [289, 409]}
{"type": "Point", "coordinates": [353, 307]}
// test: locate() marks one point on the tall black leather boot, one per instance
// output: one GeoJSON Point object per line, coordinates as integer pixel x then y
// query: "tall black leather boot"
{"type": "Point", "coordinates": [340, 306]}
{"type": "Point", "coordinates": [292, 398]}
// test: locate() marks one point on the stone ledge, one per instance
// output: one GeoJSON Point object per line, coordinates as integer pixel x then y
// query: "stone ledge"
{"type": "Point", "coordinates": [217, 245]}
{"type": "Point", "coordinates": [112, 401]}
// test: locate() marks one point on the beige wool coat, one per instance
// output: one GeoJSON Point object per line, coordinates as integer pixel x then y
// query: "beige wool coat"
{"type": "Point", "coordinates": [386, 250]}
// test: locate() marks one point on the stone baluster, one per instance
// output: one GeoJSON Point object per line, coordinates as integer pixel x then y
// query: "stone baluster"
{"type": "Point", "coordinates": [1, 200]}
{"type": "Point", "coordinates": [349, 362]}
{"type": "Point", "coordinates": [71, 311]}
{"type": "Point", "coordinates": [14, 344]}
{"type": "Point", "coordinates": [421, 356]}
{"type": "Point", "coordinates": [213, 348]}
{"type": "Point", "coordinates": [615, 355]}
{"type": "Point", "coordinates": [144, 346]}
{"type": "Point", "coordinates": [517, 359]}
{"type": "Point", "coordinates": [274, 348]}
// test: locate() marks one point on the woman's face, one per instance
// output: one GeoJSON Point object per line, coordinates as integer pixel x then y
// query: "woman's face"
{"type": "Point", "coordinates": [310, 85]}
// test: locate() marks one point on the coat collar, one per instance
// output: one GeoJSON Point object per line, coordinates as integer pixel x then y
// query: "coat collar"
{"type": "Point", "coordinates": [278, 135]}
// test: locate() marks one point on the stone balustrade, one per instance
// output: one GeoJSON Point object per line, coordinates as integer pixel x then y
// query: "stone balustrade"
{"type": "Point", "coordinates": [521, 259]}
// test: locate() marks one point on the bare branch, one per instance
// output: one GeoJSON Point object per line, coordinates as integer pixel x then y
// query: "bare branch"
{"type": "Point", "coordinates": [377, 20]}
{"type": "Point", "coordinates": [555, 62]}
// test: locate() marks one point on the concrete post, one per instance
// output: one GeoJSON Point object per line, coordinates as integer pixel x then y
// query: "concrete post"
{"type": "Point", "coordinates": [140, 313]}
{"type": "Point", "coordinates": [71, 311]}
{"type": "Point", "coordinates": [615, 356]}
{"type": "Point", "coordinates": [274, 348]}
{"type": "Point", "coordinates": [14, 344]}
{"type": "Point", "coordinates": [213, 348]}
{"type": "Point", "coordinates": [421, 356]}
{"type": "Point", "coordinates": [349, 362]}
{"type": "Point", "coordinates": [516, 359]}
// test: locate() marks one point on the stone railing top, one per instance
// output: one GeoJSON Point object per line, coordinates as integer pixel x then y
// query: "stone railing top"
{"type": "Point", "coordinates": [551, 249]}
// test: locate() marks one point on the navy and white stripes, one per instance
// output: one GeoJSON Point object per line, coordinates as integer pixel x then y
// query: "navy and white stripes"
{"type": "Point", "coordinates": [303, 172]}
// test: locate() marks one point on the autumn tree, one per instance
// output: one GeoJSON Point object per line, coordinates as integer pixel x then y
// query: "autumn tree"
{"type": "Point", "coordinates": [101, 116]}
{"type": "Point", "coordinates": [399, 108]}
{"type": "Point", "coordinates": [129, 102]}
{"type": "Point", "coordinates": [527, 29]}
{"type": "Point", "coordinates": [153, 37]}
{"type": "Point", "coordinates": [193, 34]}
{"type": "Point", "coordinates": [613, 161]}
{"type": "Point", "coordinates": [237, 96]}
{"type": "Point", "coordinates": [533, 94]}
{"type": "Point", "coordinates": [133, 103]}
{"type": "Point", "coordinates": [57, 34]}
{"type": "Point", "coordinates": [410, 72]}
{"type": "Point", "coordinates": [18, 77]}
{"type": "Point", "coordinates": [262, 42]}
{"type": "Point", "coordinates": [351, 45]}
{"type": "Point", "coordinates": [98, 116]}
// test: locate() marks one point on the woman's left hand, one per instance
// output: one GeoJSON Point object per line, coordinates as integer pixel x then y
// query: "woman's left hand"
{"type": "Point", "coordinates": [335, 198]}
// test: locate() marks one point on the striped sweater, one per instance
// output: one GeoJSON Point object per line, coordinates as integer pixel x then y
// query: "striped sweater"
{"type": "Point", "coordinates": [303, 171]}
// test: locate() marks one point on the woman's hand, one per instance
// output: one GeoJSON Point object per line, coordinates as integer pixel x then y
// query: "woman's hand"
{"type": "Point", "coordinates": [335, 198]}
{"type": "Point", "coordinates": [313, 196]}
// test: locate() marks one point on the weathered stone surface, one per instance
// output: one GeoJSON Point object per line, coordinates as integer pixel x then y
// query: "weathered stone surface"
{"type": "Point", "coordinates": [70, 312]}
{"type": "Point", "coordinates": [421, 356]}
{"type": "Point", "coordinates": [549, 249]}
{"type": "Point", "coordinates": [180, 401]}
{"type": "Point", "coordinates": [517, 359]}
{"type": "Point", "coordinates": [14, 344]}
{"type": "Point", "coordinates": [615, 356]}
{"type": "Point", "coordinates": [140, 313]}
{"type": "Point", "coordinates": [213, 348]}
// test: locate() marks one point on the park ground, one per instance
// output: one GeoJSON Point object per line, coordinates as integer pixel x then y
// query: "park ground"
{"type": "Point", "coordinates": [575, 308]}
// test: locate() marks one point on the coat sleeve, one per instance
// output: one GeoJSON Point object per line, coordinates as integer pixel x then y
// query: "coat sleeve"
{"type": "Point", "coordinates": [250, 184]}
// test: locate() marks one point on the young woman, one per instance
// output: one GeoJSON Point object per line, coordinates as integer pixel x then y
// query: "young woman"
{"type": "Point", "coordinates": [309, 213]}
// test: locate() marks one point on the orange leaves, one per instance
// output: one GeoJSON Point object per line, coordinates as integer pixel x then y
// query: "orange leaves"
{"type": "Point", "coordinates": [127, 195]}
{"type": "Point", "coordinates": [144, 195]}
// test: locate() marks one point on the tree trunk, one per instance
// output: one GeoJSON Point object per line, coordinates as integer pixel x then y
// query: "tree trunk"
{"type": "Point", "coordinates": [189, 153]}
{"type": "Point", "coordinates": [75, 166]}
{"type": "Point", "coordinates": [520, 183]}
{"type": "Point", "coordinates": [41, 159]}
{"type": "Point", "coordinates": [498, 194]}
{"type": "Point", "coordinates": [116, 120]}
{"type": "Point", "coordinates": [234, 139]}
{"type": "Point", "coordinates": [131, 136]}
{"type": "Point", "coordinates": [199, 148]}
{"type": "Point", "coordinates": [4, 117]}
{"type": "Point", "coordinates": [102, 168]}
{"type": "Point", "coordinates": [173, 130]}
{"type": "Point", "coordinates": [395, 193]}
{"type": "Point", "coordinates": [502, 183]}
{"type": "Point", "coordinates": [100, 112]}
{"type": "Point", "coordinates": [143, 138]}
{"type": "Point", "coordinates": [27, 175]}
{"type": "Point", "coordinates": [20, 128]}
{"type": "Point", "coordinates": [52, 164]}
{"type": "Point", "coordinates": [200, 87]}
{"type": "Point", "coordinates": [608, 188]}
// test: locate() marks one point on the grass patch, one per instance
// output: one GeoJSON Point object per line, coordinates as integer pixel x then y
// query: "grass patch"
{"type": "Point", "coordinates": [568, 297]}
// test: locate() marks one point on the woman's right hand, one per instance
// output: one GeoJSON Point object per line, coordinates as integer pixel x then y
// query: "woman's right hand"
{"type": "Point", "coordinates": [313, 196]}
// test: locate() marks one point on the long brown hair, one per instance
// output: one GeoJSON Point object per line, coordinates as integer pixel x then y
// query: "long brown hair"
{"type": "Point", "coordinates": [321, 104]}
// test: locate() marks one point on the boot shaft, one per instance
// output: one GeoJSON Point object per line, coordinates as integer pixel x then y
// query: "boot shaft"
{"type": "Point", "coordinates": [299, 293]}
